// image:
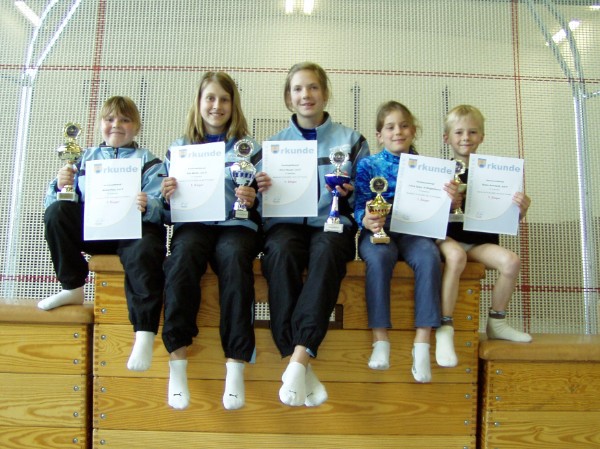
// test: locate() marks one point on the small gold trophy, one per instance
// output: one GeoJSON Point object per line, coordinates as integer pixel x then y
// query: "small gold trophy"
{"type": "Point", "coordinates": [379, 206]}
{"type": "Point", "coordinates": [71, 153]}
{"type": "Point", "coordinates": [457, 215]}
{"type": "Point", "coordinates": [242, 174]}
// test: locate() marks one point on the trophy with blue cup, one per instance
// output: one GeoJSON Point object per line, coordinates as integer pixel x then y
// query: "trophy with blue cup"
{"type": "Point", "coordinates": [242, 173]}
{"type": "Point", "coordinates": [337, 178]}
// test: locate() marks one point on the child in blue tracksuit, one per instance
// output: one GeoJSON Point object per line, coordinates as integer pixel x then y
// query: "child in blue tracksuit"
{"type": "Point", "coordinates": [396, 130]}
{"type": "Point", "coordinates": [141, 258]}
{"type": "Point", "coordinates": [300, 308]}
{"type": "Point", "coordinates": [230, 246]}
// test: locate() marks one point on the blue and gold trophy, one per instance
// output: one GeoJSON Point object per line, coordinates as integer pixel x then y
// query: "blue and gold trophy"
{"type": "Point", "coordinates": [337, 178]}
{"type": "Point", "coordinates": [457, 215]}
{"type": "Point", "coordinates": [71, 153]}
{"type": "Point", "coordinates": [242, 174]}
{"type": "Point", "coordinates": [379, 206]}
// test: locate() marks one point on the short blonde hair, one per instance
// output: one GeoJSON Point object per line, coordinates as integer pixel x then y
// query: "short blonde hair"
{"type": "Point", "coordinates": [313, 67]}
{"type": "Point", "coordinates": [237, 126]}
{"type": "Point", "coordinates": [123, 106]}
{"type": "Point", "coordinates": [460, 112]}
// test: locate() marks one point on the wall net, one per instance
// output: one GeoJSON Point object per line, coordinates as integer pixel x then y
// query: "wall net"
{"type": "Point", "coordinates": [540, 100]}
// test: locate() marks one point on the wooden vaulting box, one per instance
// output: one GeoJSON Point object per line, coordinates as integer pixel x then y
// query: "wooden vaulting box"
{"type": "Point", "coordinates": [45, 376]}
{"type": "Point", "coordinates": [365, 407]}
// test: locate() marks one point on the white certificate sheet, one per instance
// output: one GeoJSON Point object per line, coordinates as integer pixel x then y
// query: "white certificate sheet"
{"type": "Point", "coordinates": [292, 166]}
{"type": "Point", "coordinates": [111, 189]}
{"type": "Point", "coordinates": [492, 183]}
{"type": "Point", "coordinates": [200, 174]}
{"type": "Point", "coordinates": [421, 205]}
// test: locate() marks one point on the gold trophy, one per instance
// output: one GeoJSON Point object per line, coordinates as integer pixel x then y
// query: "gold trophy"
{"type": "Point", "coordinates": [71, 153]}
{"type": "Point", "coordinates": [379, 206]}
{"type": "Point", "coordinates": [457, 215]}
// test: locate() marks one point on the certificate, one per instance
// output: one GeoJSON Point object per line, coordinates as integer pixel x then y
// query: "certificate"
{"type": "Point", "coordinates": [292, 166]}
{"type": "Point", "coordinates": [421, 205]}
{"type": "Point", "coordinates": [200, 174]}
{"type": "Point", "coordinates": [492, 183]}
{"type": "Point", "coordinates": [111, 189]}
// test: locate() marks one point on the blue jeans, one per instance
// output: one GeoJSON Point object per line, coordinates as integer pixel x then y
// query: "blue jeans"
{"type": "Point", "coordinates": [423, 256]}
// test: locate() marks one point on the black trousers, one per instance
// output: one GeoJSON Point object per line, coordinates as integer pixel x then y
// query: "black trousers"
{"type": "Point", "coordinates": [300, 309]}
{"type": "Point", "coordinates": [142, 260]}
{"type": "Point", "coordinates": [231, 251]}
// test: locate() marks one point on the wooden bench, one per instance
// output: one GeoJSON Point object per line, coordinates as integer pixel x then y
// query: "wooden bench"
{"type": "Point", "coordinates": [45, 376]}
{"type": "Point", "coordinates": [544, 394]}
{"type": "Point", "coordinates": [365, 407]}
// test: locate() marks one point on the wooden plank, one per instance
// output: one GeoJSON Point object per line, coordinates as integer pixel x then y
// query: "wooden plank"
{"type": "Point", "coordinates": [44, 348]}
{"type": "Point", "coordinates": [26, 311]}
{"type": "Point", "coordinates": [362, 409]}
{"type": "Point", "coordinates": [160, 440]}
{"type": "Point", "coordinates": [342, 357]}
{"type": "Point", "coordinates": [541, 429]}
{"type": "Point", "coordinates": [544, 347]}
{"type": "Point", "coordinates": [110, 306]}
{"type": "Point", "coordinates": [545, 386]}
{"type": "Point", "coordinates": [41, 437]}
{"type": "Point", "coordinates": [111, 264]}
{"type": "Point", "coordinates": [48, 400]}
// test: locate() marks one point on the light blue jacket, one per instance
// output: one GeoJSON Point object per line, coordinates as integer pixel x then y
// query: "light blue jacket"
{"type": "Point", "coordinates": [151, 168]}
{"type": "Point", "coordinates": [330, 136]}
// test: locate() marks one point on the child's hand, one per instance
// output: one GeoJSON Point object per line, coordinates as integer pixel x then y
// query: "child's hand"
{"type": "Point", "coordinates": [451, 189]}
{"type": "Point", "coordinates": [456, 197]}
{"type": "Point", "coordinates": [523, 201]}
{"type": "Point", "coordinates": [246, 194]}
{"type": "Point", "coordinates": [142, 201]}
{"type": "Point", "coordinates": [263, 180]}
{"type": "Point", "coordinates": [373, 222]}
{"type": "Point", "coordinates": [343, 190]}
{"type": "Point", "coordinates": [66, 176]}
{"type": "Point", "coordinates": [167, 188]}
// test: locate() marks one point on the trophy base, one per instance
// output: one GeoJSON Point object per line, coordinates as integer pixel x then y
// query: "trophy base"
{"type": "Point", "coordinates": [239, 214]}
{"type": "Point", "coordinates": [67, 196]}
{"type": "Point", "coordinates": [456, 218]}
{"type": "Point", "coordinates": [378, 239]}
{"type": "Point", "coordinates": [334, 227]}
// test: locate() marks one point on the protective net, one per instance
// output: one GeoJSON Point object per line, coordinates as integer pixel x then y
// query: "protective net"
{"type": "Point", "coordinates": [539, 97]}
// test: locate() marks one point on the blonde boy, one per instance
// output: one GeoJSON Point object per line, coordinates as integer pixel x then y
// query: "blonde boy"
{"type": "Point", "coordinates": [464, 132]}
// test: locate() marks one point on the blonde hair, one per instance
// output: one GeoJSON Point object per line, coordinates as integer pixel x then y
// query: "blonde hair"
{"type": "Point", "coordinates": [313, 67]}
{"type": "Point", "coordinates": [461, 111]}
{"type": "Point", "coordinates": [237, 127]}
{"type": "Point", "coordinates": [390, 106]}
{"type": "Point", "coordinates": [123, 106]}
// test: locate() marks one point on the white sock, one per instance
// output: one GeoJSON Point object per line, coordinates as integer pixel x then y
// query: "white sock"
{"type": "Point", "coordinates": [293, 390]}
{"type": "Point", "coordinates": [179, 394]}
{"type": "Point", "coordinates": [141, 354]}
{"type": "Point", "coordinates": [498, 329]}
{"type": "Point", "coordinates": [235, 395]}
{"type": "Point", "coordinates": [316, 393]}
{"type": "Point", "coordinates": [380, 357]}
{"type": "Point", "coordinates": [421, 368]}
{"type": "Point", "coordinates": [75, 296]}
{"type": "Point", "coordinates": [444, 347]}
